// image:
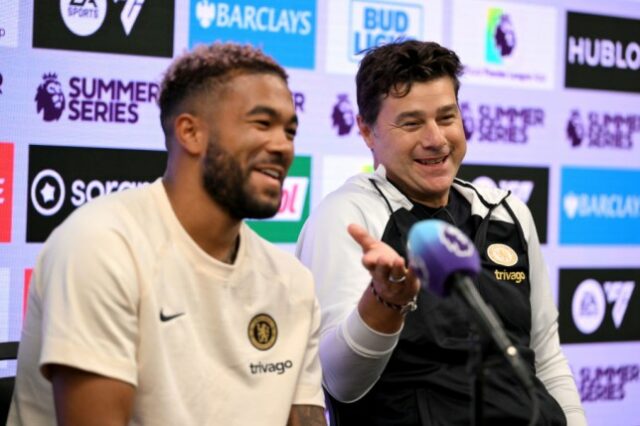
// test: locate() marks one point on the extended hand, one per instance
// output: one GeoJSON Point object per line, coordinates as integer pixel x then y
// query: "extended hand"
{"type": "Point", "coordinates": [392, 280]}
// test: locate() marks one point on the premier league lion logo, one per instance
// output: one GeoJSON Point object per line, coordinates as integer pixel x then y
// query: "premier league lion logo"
{"type": "Point", "coordinates": [342, 115]}
{"type": "Point", "coordinates": [50, 97]}
{"type": "Point", "coordinates": [505, 36]}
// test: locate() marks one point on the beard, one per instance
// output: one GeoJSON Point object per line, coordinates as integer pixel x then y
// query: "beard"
{"type": "Point", "coordinates": [228, 185]}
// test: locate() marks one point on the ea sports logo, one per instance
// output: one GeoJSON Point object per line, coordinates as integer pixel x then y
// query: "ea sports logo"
{"type": "Point", "coordinates": [588, 306]}
{"type": "Point", "coordinates": [83, 17]}
{"type": "Point", "coordinates": [47, 192]}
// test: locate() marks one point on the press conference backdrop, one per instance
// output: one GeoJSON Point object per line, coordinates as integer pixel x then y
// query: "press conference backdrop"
{"type": "Point", "coordinates": [550, 101]}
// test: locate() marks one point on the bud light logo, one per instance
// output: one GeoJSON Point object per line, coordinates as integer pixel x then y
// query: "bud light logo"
{"type": "Point", "coordinates": [357, 25]}
{"type": "Point", "coordinates": [501, 38]}
{"type": "Point", "coordinates": [500, 124]}
{"type": "Point", "coordinates": [95, 99]}
{"type": "Point", "coordinates": [600, 206]}
{"type": "Point", "coordinates": [342, 117]}
{"type": "Point", "coordinates": [603, 130]}
{"type": "Point", "coordinates": [602, 52]}
{"type": "Point", "coordinates": [49, 98]}
{"type": "Point", "coordinates": [285, 29]}
{"type": "Point", "coordinates": [375, 23]}
{"type": "Point", "coordinates": [285, 226]}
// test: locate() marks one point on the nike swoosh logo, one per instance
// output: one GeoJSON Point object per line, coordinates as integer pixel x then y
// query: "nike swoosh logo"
{"type": "Point", "coordinates": [165, 318]}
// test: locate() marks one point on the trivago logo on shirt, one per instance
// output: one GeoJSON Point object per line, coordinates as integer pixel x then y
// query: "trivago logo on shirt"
{"type": "Point", "coordinates": [135, 27]}
{"type": "Point", "coordinates": [284, 29]}
{"type": "Point", "coordinates": [6, 191]}
{"type": "Point", "coordinates": [285, 226]}
{"type": "Point", "coordinates": [600, 206]}
{"type": "Point", "coordinates": [62, 179]}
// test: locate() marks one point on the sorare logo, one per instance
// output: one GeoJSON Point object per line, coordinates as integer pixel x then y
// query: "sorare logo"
{"type": "Point", "coordinates": [602, 52]}
{"type": "Point", "coordinates": [62, 179]}
{"type": "Point", "coordinates": [285, 29]}
{"type": "Point", "coordinates": [135, 27]}
{"type": "Point", "coordinates": [285, 226]}
{"type": "Point", "coordinates": [599, 305]}
{"type": "Point", "coordinates": [6, 190]}
{"type": "Point", "coordinates": [529, 184]}
{"type": "Point", "coordinates": [599, 206]}
{"type": "Point", "coordinates": [603, 130]}
{"type": "Point", "coordinates": [94, 99]}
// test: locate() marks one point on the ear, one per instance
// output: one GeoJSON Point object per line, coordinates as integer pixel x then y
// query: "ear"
{"type": "Point", "coordinates": [366, 131]}
{"type": "Point", "coordinates": [190, 133]}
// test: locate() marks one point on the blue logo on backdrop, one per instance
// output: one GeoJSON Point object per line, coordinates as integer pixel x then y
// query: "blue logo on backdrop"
{"type": "Point", "coordinates": [600, 206]}
{"type": "Point", "coordinates": [284, 29]}
{"type": "Point", "coordinates": [374, 23]}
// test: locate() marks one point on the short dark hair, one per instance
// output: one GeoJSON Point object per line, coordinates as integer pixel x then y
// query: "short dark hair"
{"type": "Point", "coordinates": [396, 66]}
{"type": "Point", "coordinates": [207, 67]}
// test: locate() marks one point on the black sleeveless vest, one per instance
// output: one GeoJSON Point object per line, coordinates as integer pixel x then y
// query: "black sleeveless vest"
{"type": "Point", "coordinates": [427, 381]}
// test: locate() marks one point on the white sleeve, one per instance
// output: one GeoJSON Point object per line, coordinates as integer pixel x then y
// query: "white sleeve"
{"type": "Point", "coordinates": [552, 367]}
{"type": "Point", "coordinates": [309, 388]}
{"type": "Point", "coordinates": [89, 298]}
{"type": "Point", "coordinates": [353, 356]}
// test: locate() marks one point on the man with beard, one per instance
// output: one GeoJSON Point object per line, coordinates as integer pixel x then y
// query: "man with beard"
{"type": "Point", "coordinates": [159, 305]}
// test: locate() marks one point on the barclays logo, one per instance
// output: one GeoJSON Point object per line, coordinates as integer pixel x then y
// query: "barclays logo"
{"type": "Point", "coordinates": [600, 206]}
{"type": "Point", "coordinates": [285, 31]}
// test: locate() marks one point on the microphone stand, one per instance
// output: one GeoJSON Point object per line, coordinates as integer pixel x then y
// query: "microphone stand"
{"type": "Point", "coordinates": [489, 325]}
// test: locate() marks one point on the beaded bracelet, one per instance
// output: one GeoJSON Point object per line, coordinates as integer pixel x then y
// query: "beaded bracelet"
{"type": "Point", "coordinates": [403, 309]}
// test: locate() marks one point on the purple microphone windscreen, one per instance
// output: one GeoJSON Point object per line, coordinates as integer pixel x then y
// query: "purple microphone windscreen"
{"type": "Point", "coordinates": [437, 250]}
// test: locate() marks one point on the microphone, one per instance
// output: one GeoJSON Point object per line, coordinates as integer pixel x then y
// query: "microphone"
{"type": "Point", "coordinates": [445, 260]}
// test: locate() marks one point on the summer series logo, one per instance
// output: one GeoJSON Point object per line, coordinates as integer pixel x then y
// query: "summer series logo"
{"type": "Point", "coordinates": [136, 27]}
{"type": "Point", "coordinates": [93, 99]}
